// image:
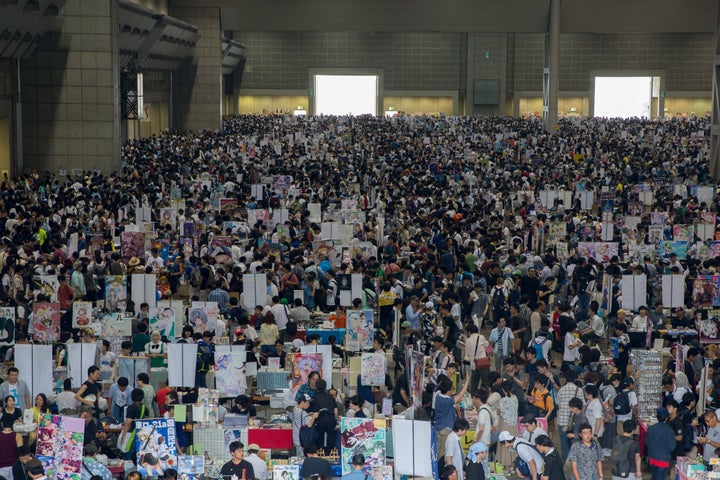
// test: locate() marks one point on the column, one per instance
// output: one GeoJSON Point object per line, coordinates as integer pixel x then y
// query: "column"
{"type": "Point", "coordinates": [715, 125]}
{"type": "Point", "coordinates": [551, 83]}
{"type": "Point", "coordinates": [197, 85]}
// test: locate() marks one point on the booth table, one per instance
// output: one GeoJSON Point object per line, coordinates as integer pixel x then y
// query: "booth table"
{"type": "Point", "coordinates": [272, 438]}
{"type": "Point", "coordinates": [325, 334]}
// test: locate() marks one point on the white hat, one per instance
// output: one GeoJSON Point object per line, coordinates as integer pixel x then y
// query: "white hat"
{"type": "Point", "coordinates": [429, 305]}
{"type": "Point", "coordinates": [505, 436]}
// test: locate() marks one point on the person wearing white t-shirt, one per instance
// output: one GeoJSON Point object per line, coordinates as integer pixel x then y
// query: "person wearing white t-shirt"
{"type": "Point", "coordinates": [483, 431]}
{"type": "Point", "coordinates": [571, 352]}
{"type": "Point", "coordinates": [594, 411]}
{"type": "Point", "coordinates": [528, 453]}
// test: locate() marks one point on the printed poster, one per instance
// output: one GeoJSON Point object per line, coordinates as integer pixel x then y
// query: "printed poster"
{"type": "Point", "coordinates": [187, 246]}
{"type": "Point", "coordinates": [46, 322]}
{"type": "Point", "coordinates": [362, 435]}
{"type": "Point", "coordinates": [708, 217]}
{"type": "Point", "coordinates": [667, 248]}
{"type": "Point", "coordinates": [155, 445]}
{"type": "Point", "coordinates": [116, 324]}
{"type": "Point", "coordinates": [203, 316]}
{"type": "Point", "coordinates": [132, 244]}
{"type": "Point", "coordinates": [115, 292]}
{"type": "Point", "coordinates": [658, 218]}
{"type": "Point", "coordinates": [286, 472]}
{"type": "Point", "coordinates": [60, 446]}
{"type": "Point", "coordinates": [82, 314]}
{"type": "Point", "coordinates": [384, 472]}
{"type": "Point", "coordinates": [191, 464]}
{"type": "Point", "coordinates": [230, 374]}
{"type": "Point", "coordinates": [230, 436]}
{"type": "Point", "coordinates": [682, 233]}
{"type": "Point", "coordinates": [714, 249]}
{"type": "Point", "coordinates": [7, 325]}
{"type": "Point", "coordinates": [302, 365]}
{"type": "Point", "coordinates": [372, 369]}
{"type": "Point", "coordinates": [359, 330]}
{"type": "Point", "coordinates": [220, 249]}
{"type": "Point", "coordinates": [600, 251]}
{"type": "Point", "coordinates": [417, 371]}
{"type": "Point", "coordinates": [164, 321]}
{"type": "Point", "coordinates": [48, 285]}
{"type": "Point", "coordinates": [706, 292]}
{"type": "Point", "coordinates": [167, 217]}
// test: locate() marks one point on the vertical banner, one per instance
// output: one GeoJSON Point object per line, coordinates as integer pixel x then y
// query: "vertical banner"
{"type": "Point", "coordinates": [60, 446]}
{"type": "Point", "coordinates": [372, 369]}
{"type": "Point", "coordinates": [634, 291]}
{"type": "Point", "coordinates": [46, 322]}
{"type": "Point", "coordinates": [34, 363]}
{"type": "Point", "coordinates": [254, 290]}
{"type": "Point", "coordinates": [673, 291]}
{"type": "Point", "coordinates": [144, 290]}
{"type": "Point", "coordinates": [412, 448]}
{"type": "Point", "coordinates": [359, 330]}
{"type": "Point", "coordinates": [7, 325]}
{"type": "Point", "coordinates": [156, 446]}
{"type": "Point", "coordinates": [115, 293]}
{"type": "Point", "coordinates": [182, 359]}
{"type": "Point", "coordinates": [81, 356]}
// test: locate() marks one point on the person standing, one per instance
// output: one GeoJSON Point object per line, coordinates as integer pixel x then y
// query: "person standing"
{"type": "Point", "coordinates": [626, 454]}
{"type": "Point", "coordinates": [567, 392]}
{"type": "Point", "coordinates": [660, 441]}
{"type": "Point", "coordinates": [501, 340]}
{"type": "Point", "coordinates": [586, 456]}
{"type": "Point", "coordinates": [238, 467]}
{"type": "Point", "coordinates": [89, 392]}
{"type": "Point", "coordinates": [553, 467]}
{"type": "Point", "coordinates": [711, 439]}
{"type": "Point", "coordinates": [453, 445]}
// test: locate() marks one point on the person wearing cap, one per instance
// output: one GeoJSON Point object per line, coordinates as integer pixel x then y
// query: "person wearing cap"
{"type": "Point", "coordinates": [301, 418]}
{"type": "Point", "coordinates": [477, 467]}
{"type": "Point", "coordinates": [258, 464]}
{"type": "Point", "coordinates": [357, 462]}
{"type": "Point", "coordinates": [532, 429]}
{"type": "Point", "coordinates": [527, 455]}
{"type": "Point", "coordinates": [91, 467]}
{"type": "Point", "coordinates": [660, 443]}
{"type": "Point", "coordinates": [238, 467]}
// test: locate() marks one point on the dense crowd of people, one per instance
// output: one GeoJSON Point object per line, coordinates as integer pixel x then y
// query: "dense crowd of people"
{"type": "Point", "coordinates": [456, 258]}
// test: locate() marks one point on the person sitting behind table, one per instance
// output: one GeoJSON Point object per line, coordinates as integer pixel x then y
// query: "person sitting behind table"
{"type": "Point", "coordinates": [244, 407]}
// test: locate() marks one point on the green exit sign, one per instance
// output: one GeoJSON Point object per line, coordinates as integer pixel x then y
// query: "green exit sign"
{"type": "Point", "coordinates": [311, 93]}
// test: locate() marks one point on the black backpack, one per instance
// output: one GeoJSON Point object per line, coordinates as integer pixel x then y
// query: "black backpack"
{"type": "Point", "coordinates": [622, 466]}
{"type": "Point", "coordinates": [688, 439]}
{"type": "Point", "coordinates": [205, 358]}
{"type": "Point", "coordinates": [622, 403]}
{"type": "Point", "coordinates": [499, 302]}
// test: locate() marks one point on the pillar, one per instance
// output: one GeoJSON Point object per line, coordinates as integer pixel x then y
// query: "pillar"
{"type": "Point", "coordinates": [551, 73]}
{"type": "Point", "coordinates": [197, 85]}
{"type": "Point", "coordinates": [715, 125]}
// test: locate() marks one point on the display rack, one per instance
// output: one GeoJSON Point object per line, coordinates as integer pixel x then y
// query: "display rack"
{"type": "Point", "coordinates": [648, 380]}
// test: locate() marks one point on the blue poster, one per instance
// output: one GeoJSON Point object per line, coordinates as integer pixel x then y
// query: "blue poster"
{"type": "Point", "coordinates": [156, 446]}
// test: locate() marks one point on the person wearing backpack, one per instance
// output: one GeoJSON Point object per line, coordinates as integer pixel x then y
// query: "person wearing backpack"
{"type": "Point", "coordinates": [625, 405]}
{"type": "Point", "coordinates": [499, 300]}
{"type": "Point", "coordinates": [677, 426]}
{"type": "Point", "coordinates": [529, 462]}
{"type": "Point", "coordinates": [205, 359]}
{"type": "Point", "coordinates": [625, 457]}
{"type": "Point", "coordinates": [303, 424]}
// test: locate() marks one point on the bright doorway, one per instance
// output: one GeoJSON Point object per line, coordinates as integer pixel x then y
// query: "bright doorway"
{"type": "Point", "coordinates": [346, 94]}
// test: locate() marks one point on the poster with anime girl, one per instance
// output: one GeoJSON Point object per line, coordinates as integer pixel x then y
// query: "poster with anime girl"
{"type": "Point", "coordinates": [372, 369]}
{"type": "Point", "coordinates": [46, 322]}
{"type": "Point", "coordinates": [132, 244]}
{"type": "Point", "coordinates": [302, 365]}
{"type": "Point", "coordinates": [359, 333]}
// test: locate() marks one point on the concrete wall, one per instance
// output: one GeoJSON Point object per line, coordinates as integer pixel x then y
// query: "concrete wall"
{"type": "Point", "coordinates": [70, 106]}
{"type": "Point", "coordinates": [197, 85]}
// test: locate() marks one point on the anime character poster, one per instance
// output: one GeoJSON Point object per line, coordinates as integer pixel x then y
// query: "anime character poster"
{"type": "Point", "coordinates": [706, 291]}
{"type": "Point", "coordinates": [132, 244]}
{"type": "Point", "coordinates": [417, 375]}
{"type": "Point", "coordinates": [46, 322]}
{"type": "Point", "coordinates": [286, 472]}
{"type": "Point", "coordinates": [60, 446]}
{"type": "Point", "coordinates": [348, 204]}
{"type": "Point", "coordinates": [658, 218]}
{"type": "Point", "coordinates": [682, 233]}
{"type": "Point", "coordinates": [48, 285]}
{"type": "Point", "coordinates": [82, 314]}
{"type": "Point", "coordinates": [713, 249]}
{"type": "Point", "coordinates": [635, 208]}
{"type": "Point", "coordinates": [203, 316]}
{"type": "Point", "coordinates": [187, 246]}
{"type": "Point", "coordinates": [93, 243]}
{"type": "Point", "coordinates": [115, 293]}
{"type": "Point", "coordinates": [230, 436]}
{"type": "Point", "coordinates": [7, 325]}
{"type": "Point", "coordinates": [191, 464]}
{"type": "Point", "coordinates": [667, 248]}
{"type": "Point", "coordinates": [302, 365]}
{"type": "Point", "coordinates": [168, 216]}
{"type": "Point", "coordinates": [372, 369]}
{"type": "Point", "coordinates": [383, 473]}
{"type": "Point", "coordinates": [365, 436]}
{"type": "Point", "coordinates": [586, 233]}
{"type": "Point", "coordinates": [600, 251]}
{"type": "Point", "coordinates": [164, 321]}
{"type": "Point", "coordinates": [155, 445]}
{"type": "Point", "coordinates": [359, 333]}
{"type": "Point", "coordinates": [230, 374]}
{"type": "Point", "coordinates": [228, 204]}
{"type": "Point", "coordinates": [116, 324]}
{"type": "Point", "coordinates": [708, 217]}
{"type": "Point", "coordinates": [220, 249]}
{"type": "Point", "coordinates": [281, 184]}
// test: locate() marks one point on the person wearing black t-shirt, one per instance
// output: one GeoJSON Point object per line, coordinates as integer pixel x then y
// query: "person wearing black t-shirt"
{"type": "Point", "coordinates": [89, 391]}
{"type": "Point", "coordinates": [244, 407]}
{"type": "Point", "coordinates": [553, 466]}
{"type": "Point", "coordinates": [238, 467]}
{"type": "Point", "coordinates": [136, 411]}
{"type": "Point", "coordinates": [314, 465]}
{"type": "Point", "coordinates": [676, 424]}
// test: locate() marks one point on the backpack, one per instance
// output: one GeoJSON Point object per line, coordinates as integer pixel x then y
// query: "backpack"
{"type": "Point", "coordinates": [521, 464]}
{"type": "Point", "coordinates": [561, 277]}
{"type": "Point", "coordinates": [308, 435]}
{"type": "Point", "coordinates": [370, 298]}
{"type": "Point", "coordinates": [622, 403]}
{"type": "Point", "coordinates": [195, 277]}
{"type": "Point", "coordinates": [204, 358]}
{"type": "Point", "coordinates": [688, 439]}
{"type": "Point", "coordinates": [539, 353]}
{"type": "Point", "coordinates": [608, 411]}
{"type": "Point", "coordinates": [499, 299]}
{"type": "Point", "coordinates": [621, 464]}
